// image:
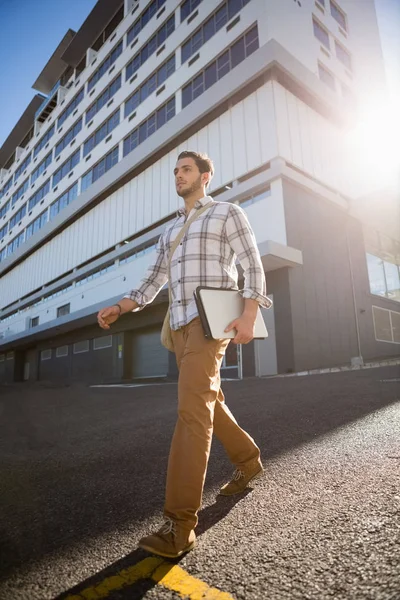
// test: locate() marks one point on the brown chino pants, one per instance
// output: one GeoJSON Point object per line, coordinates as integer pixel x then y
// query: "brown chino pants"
{"type": "Point", "coordinates": [201, 410]}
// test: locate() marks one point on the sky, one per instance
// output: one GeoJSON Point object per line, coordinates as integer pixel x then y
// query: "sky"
{"type": "Point", "coordinates": [32, 29]}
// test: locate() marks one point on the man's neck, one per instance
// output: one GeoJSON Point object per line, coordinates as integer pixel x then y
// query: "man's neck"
{"type": "Point", "coordinates": [191, 200]}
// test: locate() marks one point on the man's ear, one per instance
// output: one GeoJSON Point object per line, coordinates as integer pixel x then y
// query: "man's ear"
{"type": "Point", "coordinates": [206, 179]}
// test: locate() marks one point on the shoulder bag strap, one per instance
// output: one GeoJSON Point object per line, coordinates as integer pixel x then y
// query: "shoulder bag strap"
{"type": "Point", "coordinates": [178, 239]}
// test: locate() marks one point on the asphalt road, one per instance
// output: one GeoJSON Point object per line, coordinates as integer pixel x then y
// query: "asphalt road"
{"type": "Point", "coordinates": [82, 474]}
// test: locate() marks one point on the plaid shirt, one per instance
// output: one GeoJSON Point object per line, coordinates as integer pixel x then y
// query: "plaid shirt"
{"type": "Point", "coordinates": [205, 256]}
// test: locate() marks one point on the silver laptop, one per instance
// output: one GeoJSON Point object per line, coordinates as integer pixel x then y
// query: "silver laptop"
{"type": "Point", "coordinates": [218, 307]}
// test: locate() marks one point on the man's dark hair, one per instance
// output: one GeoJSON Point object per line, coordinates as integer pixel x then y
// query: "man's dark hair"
{"type": "Point", "coordinates": [204, 163]}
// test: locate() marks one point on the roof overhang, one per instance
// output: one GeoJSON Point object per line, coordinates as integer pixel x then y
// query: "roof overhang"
{"type": "Point", "coordinates": [55, 66]}
{"type": "Point", "coordinates": [20, 130]}
{"type": "Point", "coordinates": [97, 20]}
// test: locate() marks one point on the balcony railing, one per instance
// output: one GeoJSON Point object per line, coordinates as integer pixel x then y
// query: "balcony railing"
{"type": "Point", "coordinates": [48, 104]}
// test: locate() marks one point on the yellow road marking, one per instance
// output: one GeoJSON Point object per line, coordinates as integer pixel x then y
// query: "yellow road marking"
{"type": "Point", "coordinates": [166, 574]}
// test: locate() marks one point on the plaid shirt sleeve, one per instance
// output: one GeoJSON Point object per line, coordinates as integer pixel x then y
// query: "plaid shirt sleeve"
{"type": "Point", "coordinates": [155, 278]}
{"type": "Point", "coordinates": [242, 240]}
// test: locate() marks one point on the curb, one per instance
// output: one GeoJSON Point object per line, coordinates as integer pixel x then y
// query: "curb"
{"type": "Point", "coordinates": [370, 365]}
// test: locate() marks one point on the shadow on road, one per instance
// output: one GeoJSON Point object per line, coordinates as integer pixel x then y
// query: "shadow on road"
{"type": "Point", "coordinates": [78, 462]}
{"type": "Point", "coordinates": [207, 518]}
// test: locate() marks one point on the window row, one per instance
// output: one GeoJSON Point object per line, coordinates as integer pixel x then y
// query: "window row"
{"type": "Point", "coordinates": [341, 53]}
{"type": "Point", "coordinates": [20, 192]}
{"type": "Point", "coordinates": [68, 137]}
{"type": "Point", "coordinates": [78, 347]}
{"type": "Point", "coordinates": [148, 49]}
{"type": "Point", "coordinates": [107, 127]}
{"type": "Point", "coordinates": [220, 67]}
{"type": "Point", "coordinates": [149, 126]}
{"type": "Point", "coordinates": [213, 24]}
{"type": "Point", "coordinates": [105, 65]}
{"type": "Point", "coordinates": [42, 167]}
{"type": "Point", "coordinates": [102, 100]}
{"type": "Point", "coordinates": [144, 18]}
{"type": "Point", "coordinates": [46, 138]}
{"type": "Point", "coordinates": [150, 85]}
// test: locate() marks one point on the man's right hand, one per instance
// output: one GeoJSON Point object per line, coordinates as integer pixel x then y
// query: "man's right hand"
{"type": "Point", "coordinates": [108, 315]}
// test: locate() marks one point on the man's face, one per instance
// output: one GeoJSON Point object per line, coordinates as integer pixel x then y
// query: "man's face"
{"type": "Point", "coordinates": [188, 178]}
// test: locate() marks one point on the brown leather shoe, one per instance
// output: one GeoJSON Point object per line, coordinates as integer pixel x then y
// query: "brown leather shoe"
{"type": "Point", "coordinates": [241, 479]}
{"type": "Point", "coordinates": [170, 541]}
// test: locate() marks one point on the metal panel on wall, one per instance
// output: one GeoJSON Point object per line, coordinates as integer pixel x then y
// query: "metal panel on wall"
{"type": "Point", "coordinates": [149, 357]}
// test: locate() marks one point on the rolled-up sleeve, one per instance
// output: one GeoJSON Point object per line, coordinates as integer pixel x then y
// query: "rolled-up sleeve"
{"type": "Point", "coordinates": [242, 240]}
{"type": "Point", "coordinates": [153, 281]}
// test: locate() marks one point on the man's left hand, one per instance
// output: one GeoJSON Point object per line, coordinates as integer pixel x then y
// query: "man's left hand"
{"type": "Point", "coordinates": [244, 326]}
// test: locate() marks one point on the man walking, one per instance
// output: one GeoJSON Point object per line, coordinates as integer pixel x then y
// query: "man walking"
{"type": "Point", "coordinates": [205, 256]}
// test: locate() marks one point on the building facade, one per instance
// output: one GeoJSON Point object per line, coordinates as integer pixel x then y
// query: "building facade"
{"type": "Point", "coordinates": [266, 88]}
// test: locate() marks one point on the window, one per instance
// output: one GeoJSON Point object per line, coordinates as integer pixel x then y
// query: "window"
{"type": "Point", "coordinates": [103, 99]}
{"type": "Point", "coordinates": [36, 224]}
{"type": "Point", "coordinates": [66, 167]}
{"type": "Point", "coordinates": [231, 57]}
{"type": "Point", "coordinates": [150, 85]}
{"type": "Point", "coordinates": [255, 198]}
{"type": "Point", "coordinates": [68, 137]}
{"type": "Point", "coordinates": [105, 65]}
{"type": "Point", "coordinates": [155, 42]}
{"type": "Point", "coordinates": [343, 56]}
{"type": "Point", "coordinates": [338, 15]}
{"type": "Point", "coordinates": [99, 169]}
{"type": "Point", "coordinates": [47, 136]}
{"type": "Point", "coordinates": [384, 277]}
{"type": "Point", "coordinates": [321, 34]}
{"type": "Point", "coordinates": [386, 325]}
{"type": "Point", "coordinates": [149, 126]}
{"type": "Point", "coordinates": [45, 354]}
{"type": "Point", "coordinates": [22, 167]}
{"type": "Point", "coordinates": [71, 107]}
{"type": "Point", "coordinates": [62, 351]}
{"type": "Point", "coordinates": [326, 76]}
{"type": "Point", "coordinates": [34, 322]}
{"type": "Point", "coordinates": [6, 187]}
{"type": "Point", "coordinates": [42, 167]}
{"type": "Point", "coordinates": [18, 216]}
{"type": "Point", "coordinates": [101, 133]}
{"type": "Point", "coordinates": [102, 342]}
{"type": "Point", "coordinates": [5, 208]}
{"type": "Point", "coordinates": [63, 310]}
{"type": "Point", "coordinates": [144, 19]}
{"type": "Point", "coordinates": [211, 26]}
{"type": "Point", "coordinates": [81, 347]}
{"type": "Point", "coordinates": [63, 200]}
{"type": "Point", "coordinates": [17, 241]}
{"type": "Point", "coordinates": [39, 195]}
{"type": "Point", "coordinates": [20, 192]}
{"type": "Point", "coordinates": [187, 7]}
{"type": "Point", "coordinates": [3, 231]}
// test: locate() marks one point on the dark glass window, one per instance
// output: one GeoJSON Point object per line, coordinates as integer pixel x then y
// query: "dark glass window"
{"type": "Point", "coordinates": [158, 38]}
{"type": "Point", "coordinates": [188, 7]}
{"type": "Point", "coordinates": [321, 34]}
{"type": "Point", "coordinates": [231, 57]}
{"type": "Point", "coordinates": [70, 108]}
{"type": "Point", "coordinates": [210, 27]}
{"type": "Point", "coordinates": [103, 99]}
{"type": "Point", "coordinates": [105, 65]}
{"type": "Point", "coordinates": [144, 19]}
{"type": "Point", "coordinates": [47, 136]}
{"type": "Point", "coordinates": [149, 126]}
{"type": "Point", "coordinates": [66, 167]}
{"type": "Point", "coordinates": [102, 132]}
{"type": "Point", "coordinates": [150, 85]}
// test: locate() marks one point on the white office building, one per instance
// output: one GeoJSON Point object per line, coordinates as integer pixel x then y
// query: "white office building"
{"type": "Point", "coordinates": [266, 88]}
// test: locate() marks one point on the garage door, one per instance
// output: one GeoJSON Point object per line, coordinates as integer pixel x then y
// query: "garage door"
{"type": "Point", "coordinates": [149, 357]}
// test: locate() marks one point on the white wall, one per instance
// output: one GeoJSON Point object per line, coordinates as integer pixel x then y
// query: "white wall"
{"type": "Point", "coordinates": [239, 141]}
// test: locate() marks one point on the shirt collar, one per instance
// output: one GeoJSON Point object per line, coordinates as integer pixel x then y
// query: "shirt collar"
{"type": "Point", "coordinates": [181, 211]}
